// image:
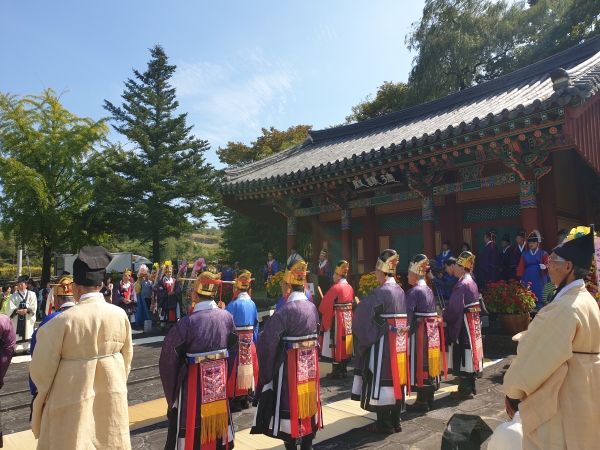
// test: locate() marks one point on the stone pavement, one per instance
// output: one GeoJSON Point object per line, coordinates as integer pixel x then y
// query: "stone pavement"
{"type": "Point", "coordinates": [420, 431]}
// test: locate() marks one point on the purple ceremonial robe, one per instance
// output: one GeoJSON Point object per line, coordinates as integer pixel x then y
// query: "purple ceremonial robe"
{"type": "Point", "coordinates": [166, 302]}
{"type": "Point", "coordinates": [420, 300]}
{"type": "Point", "coordinates": [296, 318]}
{"type": "Point", "coordinates": [369, 327]}
{"type": "Point", "coordinates": [207, 329]}
{"type": "Point", "coordinates": [490, 264]}
{"type": "Point", "coordinates": [8, 340]}
{"type": "Point", "coordinates": [118, 298]}
{"type": "Point", "coordinates": [465, 292]}
{"type": "Point", "coordinates": [505, 258]}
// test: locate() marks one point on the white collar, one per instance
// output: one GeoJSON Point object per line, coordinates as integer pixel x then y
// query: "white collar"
{"type": "Point", "coordinates": [467, 276]}
{"type": "Point", "coordinates": [126, 285]}
{"type": "Point", "coordinates": [205, 305]}
{"type": "Point", "coordinates": [488, 242]}
{"type": "Point", "coordinates": [504, 251]}
{"type": "Point", "coordinates": [322, 263]}
{"type": "Point", "coordinates": [243, 296]}
{"type": "Point", "coordinates": [522, 246]}
{"type": "Point", "coordinates": [91, 294]}
{"type": "Point", "coordinates": [67, 305]}
{"type": "Point", "coordinates": [571, 285]}
{"type": "Point", "coordinates": [390, 280]}
{"type": "Point", "coordinates": [343, 281]}
{"type": "Point", "coordinates": [517, 417]}
{"type": "Point", "coordinates": [421, 283]}
{"type": "Point", "coordinates": [446, 253]}
{"type": "Point", "coordinates": [168, 280]}
{"type": "Point", "coordinates": [533, 253]}
{"type": "Point", "coordinates": [295, 296]}
{"type": "Point", "coordinates": [270, 262]}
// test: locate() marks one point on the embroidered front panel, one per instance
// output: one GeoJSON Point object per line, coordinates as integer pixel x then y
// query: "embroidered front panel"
{"type": "Point", "coordinates": [477, 331]}
{"type": "Point", "coordinates": [307, 368]}
{"type": "Point", "coordinates": [401, 337]}
{"type": "Point", "coordinates": [347, 317]}
{"type": "Point", "coordinates": [433, 335]}
{"type": "Point", "coordinates": [213, 378]}
{"type": "Point", "coordinates": [245, 354]}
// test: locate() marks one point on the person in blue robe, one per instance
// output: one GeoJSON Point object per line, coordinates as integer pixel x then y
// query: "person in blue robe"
{"type": "Point", "coordinates": [533, 268]}
{"type": "Point", "coordinates": [270, 268]}
{"type": "Point", "coordinates": [444, 254]}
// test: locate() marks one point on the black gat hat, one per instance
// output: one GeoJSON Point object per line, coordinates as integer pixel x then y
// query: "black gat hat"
{"type": "Point", "coordinates": [90, 266]}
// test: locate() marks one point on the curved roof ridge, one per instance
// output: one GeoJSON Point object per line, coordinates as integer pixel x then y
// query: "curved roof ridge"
{"type": "Point", "coordinates": [564, 58]}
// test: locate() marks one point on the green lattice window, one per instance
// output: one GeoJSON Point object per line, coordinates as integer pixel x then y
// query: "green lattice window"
{"type": "Point", "coordinates": [400, 223]}
{"type": "Point", "coordinates": [492, 212]}
{"type": "Point", "coordinates": [357, 227]}
{"type": "Point", "coordinates": [332, 230]}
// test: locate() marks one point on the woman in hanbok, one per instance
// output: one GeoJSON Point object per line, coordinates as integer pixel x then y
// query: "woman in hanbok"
{"type": "Point", "coordinates": [533, 267]}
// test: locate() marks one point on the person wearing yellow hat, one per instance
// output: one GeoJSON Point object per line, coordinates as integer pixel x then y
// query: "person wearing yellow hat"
{"type": "Point", "coordinates": [335, 337]}
{"type": "Point", "coordinates": [245, 317]}
{"type": "Point", "coordinates": [124, 295]}
{"type": "Point", "coordinates": [381, 368]}
{"type": "Point", "coordinates": [289, 407]}
{"type": "Point", "coordinates": [195, 366]}
{"type": "Point", "coordinates": [168, 293]}
{"type": "Point", "coordinates": [465, 355]}
{"type": "Point", "coordinates": [557, 368]}
{"type": "Point", "coordinates": [426, 336]}
{"type": "Point", "coordinates": [63, 300]}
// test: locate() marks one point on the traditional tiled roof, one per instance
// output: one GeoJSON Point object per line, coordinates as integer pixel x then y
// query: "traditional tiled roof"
{"type": "Point", "coordinates": [522, 92]}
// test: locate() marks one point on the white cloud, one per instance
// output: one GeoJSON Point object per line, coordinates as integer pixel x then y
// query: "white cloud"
{"type": "Point", "coordinates": [231, 100]}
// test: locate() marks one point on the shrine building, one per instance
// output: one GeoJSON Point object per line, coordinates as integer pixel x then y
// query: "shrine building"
{"type": "Point", "coordinates": [518, 151]}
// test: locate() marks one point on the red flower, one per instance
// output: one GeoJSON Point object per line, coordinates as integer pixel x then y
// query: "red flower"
{"type": "Point", "coordinates": [529, 282]}
{"type": "Point", "coordinates": [504, 293]}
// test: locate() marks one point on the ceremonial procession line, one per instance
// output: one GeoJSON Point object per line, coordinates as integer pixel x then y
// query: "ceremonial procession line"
{"type": "Point", "coordinates": [339, 417]}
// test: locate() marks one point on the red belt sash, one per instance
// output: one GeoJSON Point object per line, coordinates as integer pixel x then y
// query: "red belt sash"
{"type": "Point", "coordinates": [246, 365]}
{"type": "Point", "coordinates": [474, 324]}
{"type": "Point", "coordinates": [343, 332]}
{"type": "Point", "coordinates": [303, 385]}
{"type": "Point", "coordinates": [399, 354]}
{"type": "Point", "coordinates": [207, 372]}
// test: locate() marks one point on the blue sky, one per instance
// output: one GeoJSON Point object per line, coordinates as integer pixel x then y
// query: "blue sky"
{"type": "Point", "coordinates": [242, 65]}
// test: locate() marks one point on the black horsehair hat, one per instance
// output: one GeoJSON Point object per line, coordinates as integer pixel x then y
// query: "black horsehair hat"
{"type": "Point", "coordinates": [90, 266]}
{"type": "Point", "coordinates": [506, 238]}
{"type": "Point", "coordinates": [580, 251]}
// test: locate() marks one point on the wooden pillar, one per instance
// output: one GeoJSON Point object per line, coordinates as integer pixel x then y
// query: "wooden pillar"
{"type": "Point", "coordinates": [549, 216]}
{"type": "Point", "coordinates": [346, 236]}
{"type": "Point", "coordinates": [371, 239]}
{"type": "Point", "coordinates": [528, 200]}
{"type": "Point", "coordinates": [428, 216]}
{"type": "Point", "coordinates": [317, 240]}
{"type": "Point", "coordinates": [291, 234]}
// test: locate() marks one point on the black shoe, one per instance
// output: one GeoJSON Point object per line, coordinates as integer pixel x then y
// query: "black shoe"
{"type": "Point", "coordinates": [378, 427]}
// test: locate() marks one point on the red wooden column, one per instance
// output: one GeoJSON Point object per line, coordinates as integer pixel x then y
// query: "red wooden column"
{"type": "Point", "coordinates": [291, 234]}
{"type": "Point", "coordinates": [528, 200]}
{"type": "Point", "coordinates": [428, 216]}
{"type": "Point", "coordinates": [317, 240]}
{"type": "Point", "coordinates": [346, 236]}
{"type": "Point", "coordinates": [547, 198]}
{"type": "Point", "coordinates": [371, 239]}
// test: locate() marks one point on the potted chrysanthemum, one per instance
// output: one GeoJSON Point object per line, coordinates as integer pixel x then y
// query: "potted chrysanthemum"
{"type": "Point", "coordinates": [512, 301]}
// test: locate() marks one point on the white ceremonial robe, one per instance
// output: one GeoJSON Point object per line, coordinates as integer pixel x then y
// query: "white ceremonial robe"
{"type": "Point", "coordinates": [13, 304]}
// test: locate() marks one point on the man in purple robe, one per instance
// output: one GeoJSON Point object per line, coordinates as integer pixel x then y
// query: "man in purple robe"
{"type": "Point", "coordinates": [380, 318]}
{"type": "Point", "coordinates": [516, 252]}
{"type": "Point", "coordinates": [490, 259]}
{"type": "Point", "coordinates": [424, 336]}
{"type": "Point", "coordinates": [289, 404]}
{"type": "Point", "coordinates": [465, 355]}
{"type": "Point", "coordinates": [195, 364]}
{"type": "Point", "coordinates": [8, 341]}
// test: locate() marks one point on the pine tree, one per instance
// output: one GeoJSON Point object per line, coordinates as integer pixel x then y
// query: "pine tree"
{"type": "Point", "coordinates": [163, 181]}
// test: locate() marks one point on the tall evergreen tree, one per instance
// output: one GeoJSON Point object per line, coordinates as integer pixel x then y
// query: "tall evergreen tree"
{"type": "Point", "coordinates": [163, 181]}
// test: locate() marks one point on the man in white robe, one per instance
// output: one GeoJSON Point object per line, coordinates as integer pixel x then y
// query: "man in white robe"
{"type": "Point", "coordinates": [21, 308]}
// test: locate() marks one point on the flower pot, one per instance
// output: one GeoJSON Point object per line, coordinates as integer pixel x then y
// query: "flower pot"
{"type": "Point", "coordinates": [514, 323]}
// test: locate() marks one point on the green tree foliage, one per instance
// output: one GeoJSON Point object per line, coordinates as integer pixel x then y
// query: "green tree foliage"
{"type": "Point", "coordinates": [161, 181]}
{"type": "Point", "coordinates": [44, 154]}
{"type": "Point", "coordinates": [272, 141]}
{"type": "Point", "coordinates": [460, 43]}
{"type": "Point", "coordinates": [390, 97]}
{"type": "Point", "coordinates": [244, 239]}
